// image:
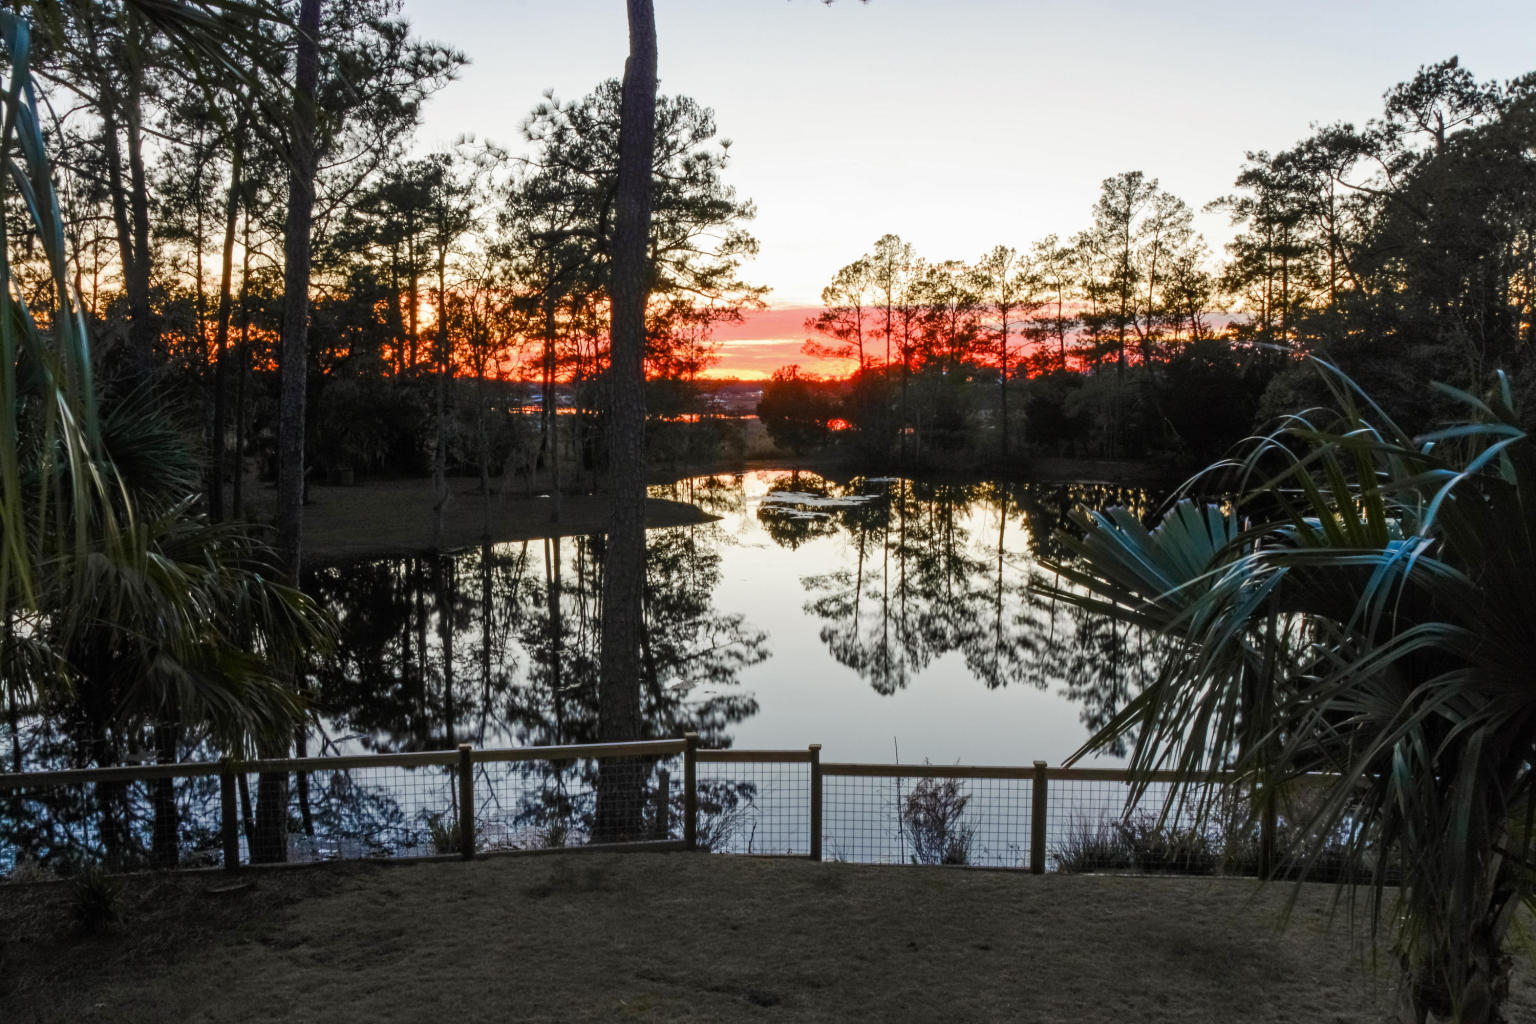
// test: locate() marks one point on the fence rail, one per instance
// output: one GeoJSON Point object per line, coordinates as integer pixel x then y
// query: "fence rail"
{"type": "Point", "coordinates": [469, 801]}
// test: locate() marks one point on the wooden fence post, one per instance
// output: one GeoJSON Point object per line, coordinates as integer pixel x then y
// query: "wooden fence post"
{"type": "Point", "coordinates": [690, 791]}
{"type": "Point", "coordinates": [1037, 805]}
{"type": "Point", "coordinates": [229, 816]}
{"type": "Point", "coordinates": [663, 827]}
{"type": "Point", "coordinates": [815, 801]}
{"type": "Point", "coordinates": [466, 801]}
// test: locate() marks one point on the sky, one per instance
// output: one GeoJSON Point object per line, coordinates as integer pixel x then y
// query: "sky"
{"type": "Point", "coordinates": [962, 124]}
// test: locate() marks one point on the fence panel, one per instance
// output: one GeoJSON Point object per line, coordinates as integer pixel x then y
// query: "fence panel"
{"type": "Point", "coordinates": [546, 803]}
{"type": "Point", "coordinates": [926, 817]}
{"type": "Point", "coordinates": [755, 801]}
{"type": "Point", "coordinates": [115, 822]}
{"type": "Point", "coordinates": [347, 813]}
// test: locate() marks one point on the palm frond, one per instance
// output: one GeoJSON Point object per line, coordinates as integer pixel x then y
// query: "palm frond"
{"type": "Point", "coordinates": [1368, 617]}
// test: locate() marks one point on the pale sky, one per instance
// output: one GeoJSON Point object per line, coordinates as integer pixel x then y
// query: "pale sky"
{"type": "Point", "coordinates": [963, 124]}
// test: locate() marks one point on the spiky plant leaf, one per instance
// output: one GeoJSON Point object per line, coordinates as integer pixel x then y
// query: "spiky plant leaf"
{"type": "Point", "coordinates": [1369, 618]}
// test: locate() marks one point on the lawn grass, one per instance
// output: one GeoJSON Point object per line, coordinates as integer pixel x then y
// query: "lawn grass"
{"type": "Point", "coordinates": [661, 937]}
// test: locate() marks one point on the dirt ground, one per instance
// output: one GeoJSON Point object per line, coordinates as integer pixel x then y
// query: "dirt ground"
{"type": "Point", "coordinates": [689, 937]}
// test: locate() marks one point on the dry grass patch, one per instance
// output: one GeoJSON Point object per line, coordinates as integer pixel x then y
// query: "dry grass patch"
{"type": "Point", "coordinates": [661, 937]}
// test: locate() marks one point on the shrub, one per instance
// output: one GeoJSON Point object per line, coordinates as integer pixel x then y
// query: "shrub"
{"type": "Point", "coordinates": [932, 817]}
{"type": "Point", "coordinates": [444, 834]}
{"type": "Point", "coordinates": [1138, 843]}
{"type": "Point", "coordinates": [555, 835]}
{"type": "Point", "coordinates": [28, 869]}
{"type": "Point", "coordinates": [723, 808]}
{"type": "Point", "coordinates": [1158, 847]}
{"type": "Point", "coordinates": [716, 830]}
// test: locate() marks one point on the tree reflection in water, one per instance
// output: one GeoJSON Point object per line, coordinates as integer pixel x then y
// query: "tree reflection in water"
{"type": "Point", "coordinates": [500, 646]}
{"type": "Point", "coordinates": [905, 584]}
{"type": "Point", "coordinates": [936, 569]}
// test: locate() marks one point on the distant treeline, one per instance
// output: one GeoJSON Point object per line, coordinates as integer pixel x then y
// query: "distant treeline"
{"type": "Point", "coordinates": [1403, 251]}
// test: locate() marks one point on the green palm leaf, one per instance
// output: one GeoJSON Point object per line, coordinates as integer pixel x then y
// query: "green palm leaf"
{"type": "Point", "coordinates": [1368, 616]}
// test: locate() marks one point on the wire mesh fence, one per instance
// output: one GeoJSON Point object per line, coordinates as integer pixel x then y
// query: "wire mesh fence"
{"type": "Point", "coordinates": [765, 802]}
{"type": "Point", "coordinates": [753, 805]}
{"type": "Point", "coordinates": [927, 819]}
{"type": "Point", "coordinates": [347, 813]}
{"type": "Point", "coordinates": [343, 808]}
{"type": "Point", "coordinates": [547, 803]}
{"type": "Point", "coordinates": [119, 824]}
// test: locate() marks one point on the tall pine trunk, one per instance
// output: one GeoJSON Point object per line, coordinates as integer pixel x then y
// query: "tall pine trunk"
{"type": "Point", "coordinates": [443, 359]}
{"type": "Point", "coordinates": [272, 796]}
{"type": "Point", "coordinates": [550, 409]}
{"type": "Point", "coordinates": [293, 359]}
{"type": "Point", "coordinates": [619, 785]}
{"type": "Point", "coordinates": [1002, 362]}
{"type": "Point", "coordinates": [120, 117]}
{"type": "Point", "coordinates": [223, 315]}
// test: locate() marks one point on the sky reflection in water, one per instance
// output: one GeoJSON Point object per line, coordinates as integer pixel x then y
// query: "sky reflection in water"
{"type": "Point", "coordinates": [876, 617]}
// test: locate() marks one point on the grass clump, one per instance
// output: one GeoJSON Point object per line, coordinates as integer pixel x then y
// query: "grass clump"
{"type": "Point", "coordinates": [445, 835]}
{"type": "Point", "coordinates": [1169, 849]}
{"type": "Point", "coordinates": [95, 900]}
{"type": "Point", "coordinates": [1137, 844]}
{"type": "Point", "coordinates": [1090, 848]}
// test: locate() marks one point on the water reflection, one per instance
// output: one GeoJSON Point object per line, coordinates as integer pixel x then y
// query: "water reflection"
{"type": "Point", "coordinates": [499, 646]}
{"type": "Point", "coordinates": [905, 584]}
{"type": "Point", "coordinates": [937, 569]}
{"type": "Point", "coordinates": [898, 615]}
{"type": "Point", "coordinates": [911, 588]}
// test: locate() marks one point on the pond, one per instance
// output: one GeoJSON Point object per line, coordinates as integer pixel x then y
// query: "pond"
{"type": "Point", "coordinates": [884, 618]}
{"type": "Point", "coordinates": [887, 619]}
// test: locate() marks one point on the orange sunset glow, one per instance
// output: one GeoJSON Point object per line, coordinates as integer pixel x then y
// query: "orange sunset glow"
{"type": "Point", "coordinates": [766, 340]}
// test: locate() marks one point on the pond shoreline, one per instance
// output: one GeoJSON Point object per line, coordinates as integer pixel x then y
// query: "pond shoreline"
{"type": "Point", "coordinates": [389, 518]}
{"type": "Point", "coordinates": [381, 518]}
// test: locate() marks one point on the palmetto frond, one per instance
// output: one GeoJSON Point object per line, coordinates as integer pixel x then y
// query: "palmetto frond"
{"type": "Point", "coordinates": [1363, 608]}
{"type": "Point", "coordinates": [100, 551]}
{"type": "Point", "coordinates": [198, 628]}
{"type": "Point", "coordinates": [47, 398]}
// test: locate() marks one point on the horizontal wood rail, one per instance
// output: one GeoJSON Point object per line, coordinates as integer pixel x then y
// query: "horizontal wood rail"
{"type": "Point", "coordinates": [124, 773]}
{"type": "Point", "coordinates": [346, 762]}
{"type": "Point", "coordinates": [1003, 771]}
{"type": "Point", "coordinates": [754, 757]}
{"type": "Point", "coordinates": [927, 771]}
{"type": "Point", "coordinates": [642, 748]}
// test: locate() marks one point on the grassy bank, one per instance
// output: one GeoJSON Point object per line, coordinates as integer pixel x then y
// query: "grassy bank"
{"type": "Point", "coordinates": [382, 517]}
{"type": "Point", "coordinates": [379, 518]}
{"type": "Point", "coordinates": [656, 937]}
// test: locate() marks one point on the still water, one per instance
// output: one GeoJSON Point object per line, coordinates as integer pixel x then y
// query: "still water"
{"type": "Point", "coordinates": [886, 619]}
{"type": "Point", "coordinates": [883, 618]}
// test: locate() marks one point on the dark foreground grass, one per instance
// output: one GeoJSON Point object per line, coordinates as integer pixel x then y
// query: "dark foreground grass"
{"type": "Point", "coordinates": [660, 937]}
